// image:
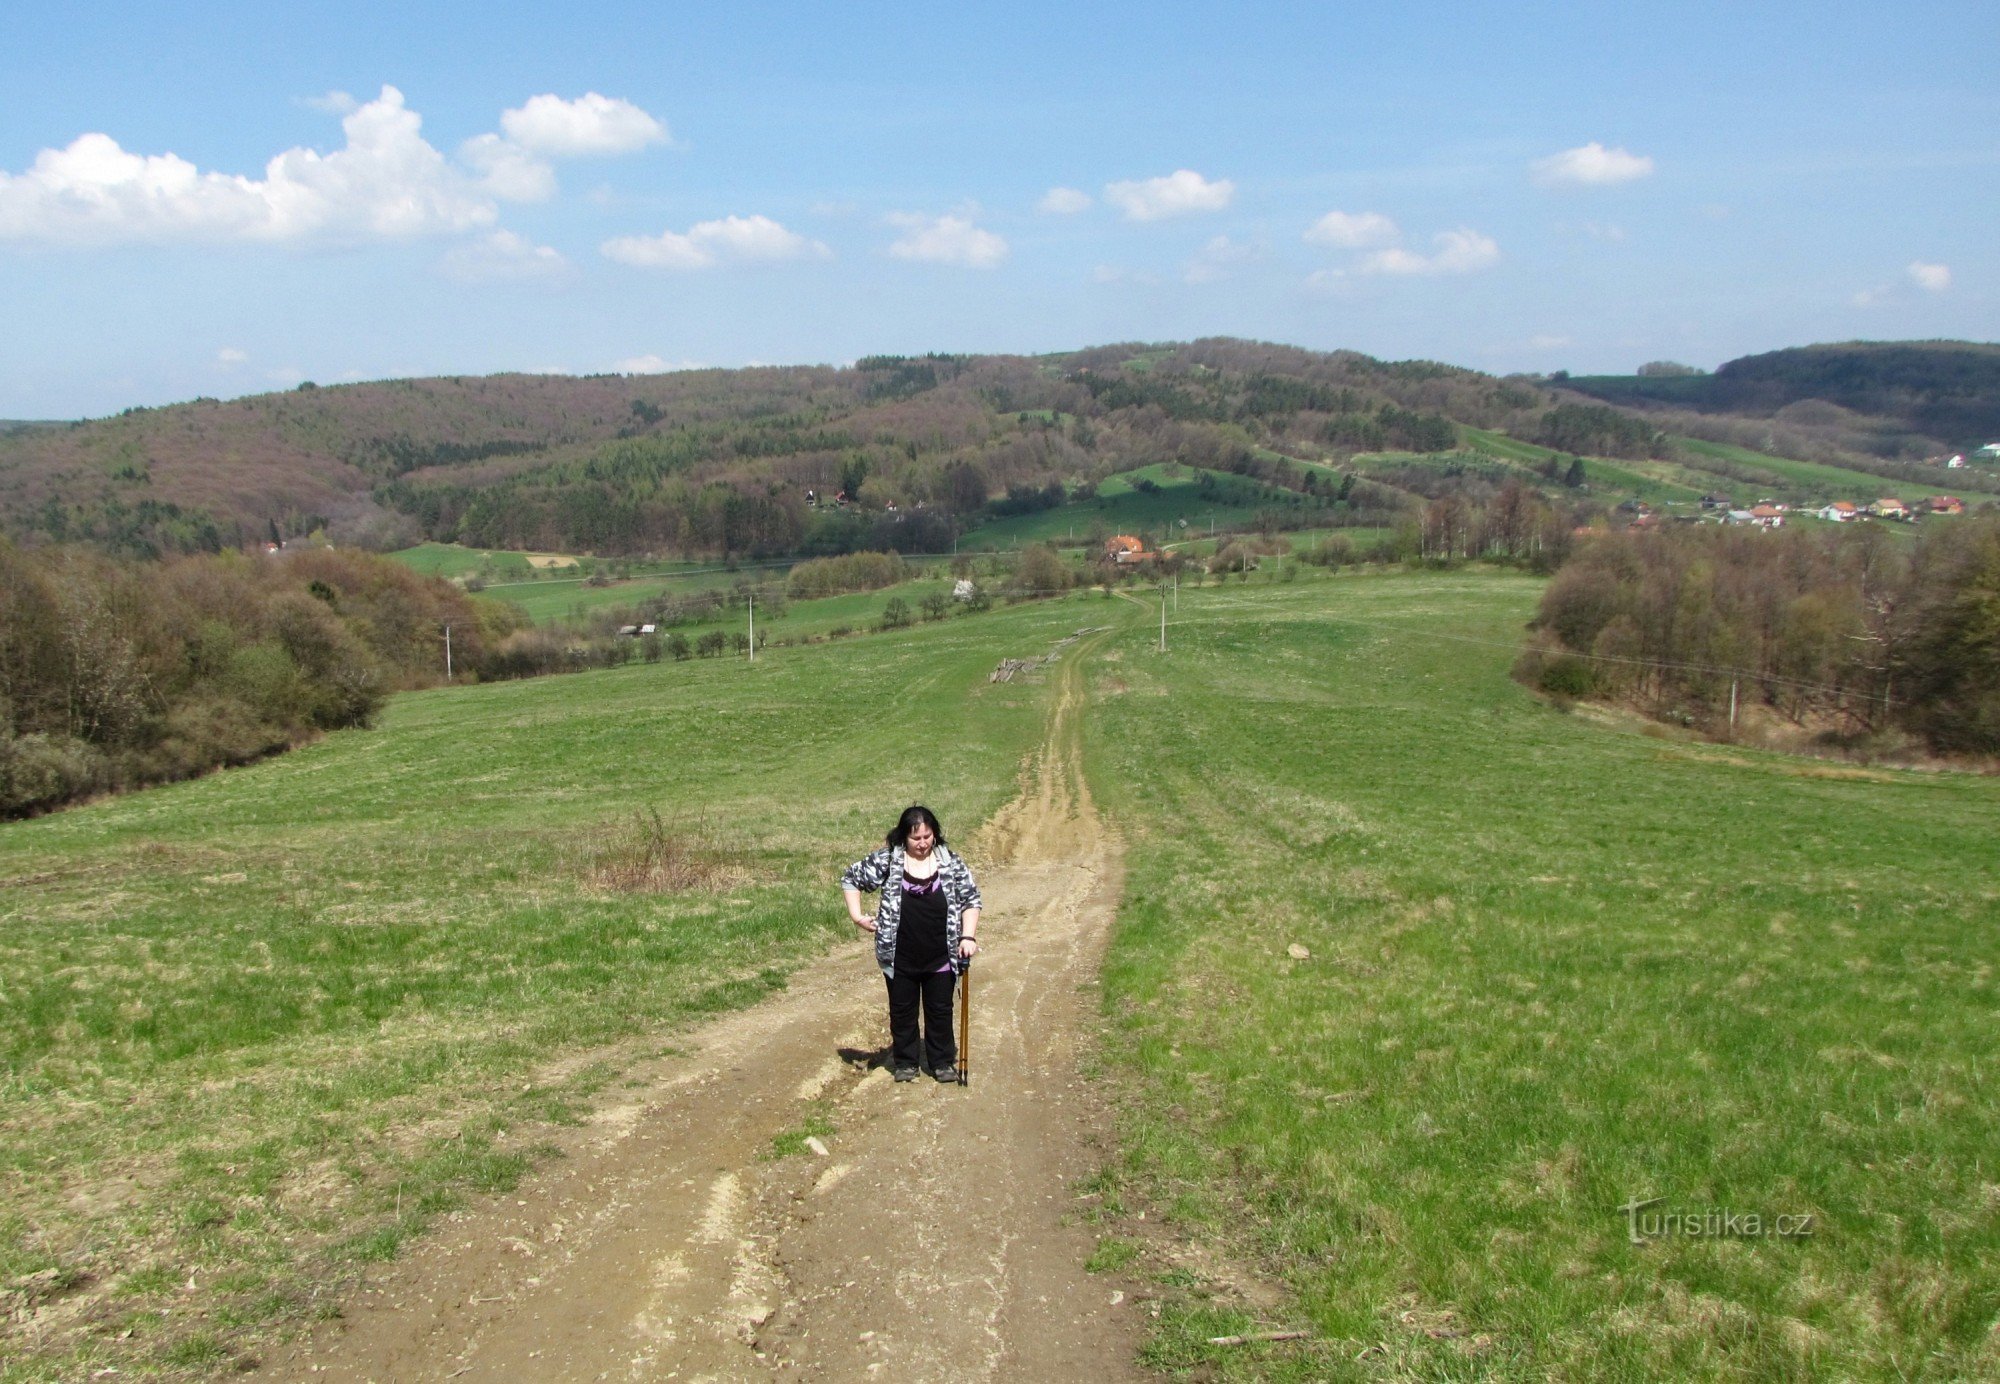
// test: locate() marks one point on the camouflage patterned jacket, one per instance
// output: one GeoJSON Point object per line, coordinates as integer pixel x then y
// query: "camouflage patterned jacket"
{"type": "Point", "coordinates": [872, 872]}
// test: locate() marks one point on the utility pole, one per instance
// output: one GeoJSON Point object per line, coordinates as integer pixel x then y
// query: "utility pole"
{"type": "Point", "coordinates": [753, 627]}
{"type": "Point", "coordinates": [1163, 617]}
{"type": "Point", "coordinates": [447, 653]}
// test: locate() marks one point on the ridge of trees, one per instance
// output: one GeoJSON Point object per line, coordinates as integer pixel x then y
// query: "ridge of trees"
{"type": "Point", "coordinates": [1890, 398]}
{"type": "Point", "coordinates": [720, 462]}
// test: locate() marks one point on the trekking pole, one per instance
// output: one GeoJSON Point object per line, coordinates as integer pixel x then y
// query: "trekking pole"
{"type": "Point", "coordinates": [965, 1024]}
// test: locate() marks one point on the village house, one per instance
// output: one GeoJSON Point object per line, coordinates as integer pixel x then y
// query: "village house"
{"type": "Point", "coordinates": [1767, 516]}
{"type": "Point", "coordinates": [1124, 548]}
{"type": "Point", "coordinates": [1945, 504]}
{"type": "Point", "coordinates": [1990, 452]}
{"type": "Point", "coordinates": [1715, 499]}
{"type": "Point", "coordinates": [1889, 507]}
{"type": "Point", "coordinates": [1840, 512]}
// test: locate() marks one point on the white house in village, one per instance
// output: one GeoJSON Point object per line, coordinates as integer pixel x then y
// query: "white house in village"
{"type": "Point", "coordinates": [1990, 452]}
{"type": "Point", "coordinates": [1840, 512]}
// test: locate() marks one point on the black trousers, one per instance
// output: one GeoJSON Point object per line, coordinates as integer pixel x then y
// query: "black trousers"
{"type": "Point", "coordinates": [932, 994]}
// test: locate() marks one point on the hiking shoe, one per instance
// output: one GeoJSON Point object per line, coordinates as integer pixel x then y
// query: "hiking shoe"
{"type": "Point", "coordinates": [906, 1073]}
{"type": "Point", "coordinates": [946, 1074]}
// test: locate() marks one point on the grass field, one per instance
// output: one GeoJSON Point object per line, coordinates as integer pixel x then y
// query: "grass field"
{"type": "Point", "coordinates": [1809, 478]}
{"type": "Point", "coordinates": [258, 1028]}
{"type": "Point", "coordinates": [1121, 507]}
{"type": "Point", "coordinates": [1553, 967]}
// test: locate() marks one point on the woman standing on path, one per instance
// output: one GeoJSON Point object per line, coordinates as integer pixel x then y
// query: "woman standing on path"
{"type": "Point", "coordinates": [924, 930]}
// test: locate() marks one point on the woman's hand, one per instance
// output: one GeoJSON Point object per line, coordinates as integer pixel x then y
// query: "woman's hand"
{"type": "Point", "coordinates": [865, 924]}
{"type": "Point", "coordinates": [968, 947]}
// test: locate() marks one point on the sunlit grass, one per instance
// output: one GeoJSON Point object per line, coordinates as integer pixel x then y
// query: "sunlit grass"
{"type": "Point", "coordinates": [272, 1021]}
{"type": "Point", "coordinates": [1550, 968]}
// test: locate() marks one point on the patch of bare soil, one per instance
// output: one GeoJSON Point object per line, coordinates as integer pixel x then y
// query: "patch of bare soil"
{"type": "Point", "coordinates": [936, 1239]}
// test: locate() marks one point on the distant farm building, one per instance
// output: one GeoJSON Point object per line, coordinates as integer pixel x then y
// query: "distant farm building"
{"type": "Point", "coordinates": [1889, 508]}
{"type": "Point", "coordinates": [1767, 516]}
{"type": "Point", "coordinates": [1945, 504]}
{"type": "Point", "coordinates": [1840, 512]}
{"type": "Point", "coordinates": [1124, 548]}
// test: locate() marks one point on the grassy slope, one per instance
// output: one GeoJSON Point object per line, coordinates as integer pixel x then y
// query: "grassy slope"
{"type": "Point", "coordinates": [1689, 479]}
{"type": "Point", "coordinates": [1121, 508]}
{"type": "Point", "coordinates": [269, 1021]}
{"type": "Point", "coordinates": [1553, 967]}
{"type": "Point", "coordinates": [1821, 482]}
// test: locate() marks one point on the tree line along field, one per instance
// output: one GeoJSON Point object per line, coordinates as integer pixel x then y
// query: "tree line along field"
{"type": "Point", "coordinates": [264, 1025]}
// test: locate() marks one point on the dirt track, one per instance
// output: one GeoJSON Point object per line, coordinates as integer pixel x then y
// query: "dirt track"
{"type": "Point", "coordinates": [936, 1241]}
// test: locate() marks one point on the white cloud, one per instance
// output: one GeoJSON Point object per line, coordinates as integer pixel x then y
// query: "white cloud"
{"type": "Point", "coordinates": [1183, 193]}
{"type": "Point", "coordinates": [1458, 252]}
{"type": "Point", "coordinates": [1215, 260]}
{"type": "Point", "coordinates": [230, 355]}
{"type": "Point", "coordinates": [332, 103]}
{"type": "Point", "coordinates": [507, 170]}
{"type": "Point", "coordinates": [707, 244]}
{"type": "Point", "coordinates": [1064, 201]}
{"type": "Point", "coordinates": [650, 364]}
{"type": "Point", "coordinates": [1932, 278]}
{"type": "Point", "coordinates": [1353, 230]}
{"type": "Point", "coordinates": [1918, 276]}
{"type": "Point", "coordinates": [387, 182]}
{"type": "Point", "coordinates": [590, 126]}
{"type": "Point", "coordinates": [1609, 231]}
{"type": "Point", "coordinates": [1590, 165]}
{"type": "Point", "coordinates": [504, 256]}
{"type": "Point", "coordinates": [946, 240]}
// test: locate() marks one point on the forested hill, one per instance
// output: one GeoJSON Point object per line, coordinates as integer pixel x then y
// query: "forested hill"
{"type": "Point", "coordinates": [721, 461]}
{"type": "Point", "coordinates": [1881, 393]}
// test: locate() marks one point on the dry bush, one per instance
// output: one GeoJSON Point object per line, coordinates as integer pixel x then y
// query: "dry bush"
{"type": "Point", "coordinates": [645, 854]}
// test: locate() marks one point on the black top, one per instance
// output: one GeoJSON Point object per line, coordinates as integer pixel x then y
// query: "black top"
{"type": "Point", "coordinates": [920, 941]}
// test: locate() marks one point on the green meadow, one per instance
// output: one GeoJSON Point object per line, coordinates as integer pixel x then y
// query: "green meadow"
{"type": "Point", "coordinates": [1418, 981]}
{"type": "Point", "coordinates": [260, 1027]}
{"type": "Point", "coordinates": [1121, 506]}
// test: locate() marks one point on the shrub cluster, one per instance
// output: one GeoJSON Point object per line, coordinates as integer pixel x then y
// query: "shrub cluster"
{"type": "Point", "coordinates": [115, 674]}
{"type": "Point", "coordinates": [832, 576]}
{"type": "Point", "coordinates": [1847, 626]}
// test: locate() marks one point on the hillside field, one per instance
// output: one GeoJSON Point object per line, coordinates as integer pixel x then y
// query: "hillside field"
{"type": "Point", "coordinates": [1554, 966]}
{"type": "Point", "coordinates": [262, 1027]}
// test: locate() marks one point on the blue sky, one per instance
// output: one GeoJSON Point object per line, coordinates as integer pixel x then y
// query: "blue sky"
{"type": "Point", "coordinates": [235, 197]}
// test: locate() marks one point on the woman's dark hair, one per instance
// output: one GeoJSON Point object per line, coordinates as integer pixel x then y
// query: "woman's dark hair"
{"type": "Point", "coordinates": [912, 815]}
